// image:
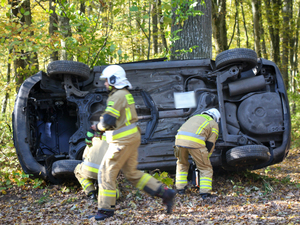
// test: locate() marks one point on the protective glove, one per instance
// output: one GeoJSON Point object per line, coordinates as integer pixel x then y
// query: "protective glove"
{"type": "Point", "coordinates": [89, 137]}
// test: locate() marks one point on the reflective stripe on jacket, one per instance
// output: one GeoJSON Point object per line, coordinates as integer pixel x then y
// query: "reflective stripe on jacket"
{"type": "Point", "coordinates": [196, 130]}
{"type": "Point", "coordinates": [121, 105]}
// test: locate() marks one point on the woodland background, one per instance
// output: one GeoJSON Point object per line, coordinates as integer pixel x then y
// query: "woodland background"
{"type": "Point", "coordinates": [34, 33]}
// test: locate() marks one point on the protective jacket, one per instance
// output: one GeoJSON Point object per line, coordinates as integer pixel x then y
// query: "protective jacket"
{"type": "Point", "coordinates": [191, 139]}
{"type": "Point", "coordinates": [87, 171]}
{"type": "Point", "coordinates": [124, 140]}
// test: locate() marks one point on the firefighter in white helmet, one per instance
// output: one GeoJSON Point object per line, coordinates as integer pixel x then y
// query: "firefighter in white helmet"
{"type": "Point", "coordinates": [197, 137]}
{"type": "Point", "coordinates": [123, 137]}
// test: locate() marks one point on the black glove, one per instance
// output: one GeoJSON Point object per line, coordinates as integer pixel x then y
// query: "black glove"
{"type": "Point", "coordinates": [209, 145]}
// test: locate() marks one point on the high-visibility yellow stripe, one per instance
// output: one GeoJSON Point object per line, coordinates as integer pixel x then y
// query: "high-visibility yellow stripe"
{"type": "Point", "coordinates": [189, 138]}
{"type": "Point", "coordinates": [125, 133]}
{"type": "Point", "coordinates": [214, 130]}
{"type": "Point", "coordinates": [202, 127]}
{"type": "Point", "coordinates": [129, 98]}
{"type": "Point", "coordinates": [110, 103]}
{"type": "Point", "coordinates": [205, 183]}
{"type": "Point", "coordinates": [181, 178]}
{"type": "Point", "coordinates": [143, 181]}
{"type": "Point", "coordinates": [108, 193]}
{"type": "Point", "coordinates": [91, 169]}
{"type": "Point", "coordinates": [85, 183]}
{"type": "Point", "coordinates": [207, 117]}
{"type": "Point", "coordinates": [128, 116]}
{"type": "Point", "coordinates": [206, 179]}
{"type": "Point", "coordinates": [113, 111]}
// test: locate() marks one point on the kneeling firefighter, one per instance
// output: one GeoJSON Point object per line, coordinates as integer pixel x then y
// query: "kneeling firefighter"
{"type": "Point", "coordinates": [123, 137]}
{"type": "Point", "coordinates": [197, 137]}
{"type": "Point", "coordinates": [87, 171]}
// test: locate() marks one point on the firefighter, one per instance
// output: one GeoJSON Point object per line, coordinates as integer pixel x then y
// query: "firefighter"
{"type": "Point", "coordinates": [123, 137]}
{"type": "Point", "coordinates": [87, 171]}
{"type": "Point", "coordinates": [197, 137]}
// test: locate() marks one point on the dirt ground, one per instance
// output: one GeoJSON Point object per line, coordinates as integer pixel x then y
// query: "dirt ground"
{"type": "Point", "coordinates": [265, 196]}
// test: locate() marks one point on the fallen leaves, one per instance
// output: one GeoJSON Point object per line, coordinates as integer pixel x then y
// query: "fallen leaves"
{"type": "Point", "coordinates": [251, 198]}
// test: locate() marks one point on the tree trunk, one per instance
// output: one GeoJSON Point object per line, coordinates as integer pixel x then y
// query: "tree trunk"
{"type": "Point", "coordinates": [285, 41]}
{"type": "Point", "coordinates": [162, 27]}
{"type": "Point", "coordinates": [263, 41]}
{"type": "Point", "coordinates": [238, 32]}
{"type": "Point", "coordinates": [295, 46]}
{"type": "Point", "coordinates": [256, 26]}
{"type": "Point", "coordinates": [32, 57]}
{"type": "Point", "coordinates": [19, 62]}
{"type": "Point", "coordinates": [272, 13]}
{"type": "Point", "coordinates": [53, 19]}
{"type": "Point", "coordinates": [245, 26]}
{"type": "Point", "coordinates": [195, 38]}
{"type": "Point", "coordinates": [219, 29]}
{"type": "Point", "coordinates": [154, 27]}
{"type": "Point", "coordinates": [6, 97]}
{"type": "Point", "coordinates": [65, 28]}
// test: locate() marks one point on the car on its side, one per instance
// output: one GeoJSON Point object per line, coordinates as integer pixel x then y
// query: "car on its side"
{"type": "Point", "coordinates": [54, 109]}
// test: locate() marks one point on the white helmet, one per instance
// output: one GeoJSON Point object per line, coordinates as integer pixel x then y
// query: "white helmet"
{"type": "Point", "coordinates": [214, 113]}
{"type": "Point", "coordinates": [116, 76]}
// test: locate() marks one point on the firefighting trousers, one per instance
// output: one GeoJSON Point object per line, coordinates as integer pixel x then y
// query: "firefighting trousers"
{"type": "Point", "coordinates": [201, 158]}
{"type": "Point", "coordinates": [122, 157]}
{"type": "Point", "coordinates": [86, 173]}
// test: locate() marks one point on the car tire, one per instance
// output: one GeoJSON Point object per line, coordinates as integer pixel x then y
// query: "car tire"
{"type": "Point", "coordinates": [247, 156]}
{"type": "Point", "coordinates": [64, 168]}
{"type": "Point", "coordinates": [57, 69]}
{"type": "Point", "coordinates": [244, 56]}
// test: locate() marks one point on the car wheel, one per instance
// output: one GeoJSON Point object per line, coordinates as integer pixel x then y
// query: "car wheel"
{"type": "Point", "coordinates": [248, 155]}
{"type": "Point", "coordinates": [64, 168]}
{"type": "Point", "coordinates": [246, 57]}
{"type": "Point", "coordinates": [57, 69]}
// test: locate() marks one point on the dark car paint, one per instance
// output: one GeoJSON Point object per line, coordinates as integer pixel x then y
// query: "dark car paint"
{"type": "Point", "coordinates": [159, 120]}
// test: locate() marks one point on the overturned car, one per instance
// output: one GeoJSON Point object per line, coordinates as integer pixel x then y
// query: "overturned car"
{"type": "Point", "coordinates": [54, 109]}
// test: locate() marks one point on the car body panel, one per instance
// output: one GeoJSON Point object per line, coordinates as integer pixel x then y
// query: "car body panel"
{"type": "Point", "coordinates": [253, 105]}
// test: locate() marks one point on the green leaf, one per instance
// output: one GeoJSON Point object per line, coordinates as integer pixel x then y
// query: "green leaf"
{"type": "Point", "coordinates": [22, 10]}
{"type": "Point", "coordinates": [26, 13]}
{"type": "Point", "coordinates": [133, 8]}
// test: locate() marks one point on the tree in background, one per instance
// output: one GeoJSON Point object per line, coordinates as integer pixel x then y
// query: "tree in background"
{"type": "Point", "coordinates": [103, 32]}
{"type": "Point", "coordinates": [191, 30]}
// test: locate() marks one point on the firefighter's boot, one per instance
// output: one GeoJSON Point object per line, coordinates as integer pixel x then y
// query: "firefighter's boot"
{"type": "Point", "coordinates": [102, 215]}
{"type": "Point", "coordinates": [168, 197]}
{"type": "Point", "coordinates": [181, 191]}
{"type": "Point", "coordinates": [207, 195]}
{"type": "Point", "coordinates": [92, 195]}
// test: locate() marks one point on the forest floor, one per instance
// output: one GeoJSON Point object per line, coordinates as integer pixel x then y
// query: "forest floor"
{"type": "Point", "coordinates": [265, 196]}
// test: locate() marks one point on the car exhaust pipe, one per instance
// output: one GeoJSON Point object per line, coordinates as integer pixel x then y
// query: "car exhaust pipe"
{"type": "Point", "coordinates": [247, 85]}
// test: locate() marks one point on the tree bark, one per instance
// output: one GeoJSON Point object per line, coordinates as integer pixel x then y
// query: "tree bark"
{"type": "Point", "coordinates": [65, 28]}
{"type": "Point", "coordinates": [154, 27]}
{"type": "Point", "coordinates": [256, 26]}
{"type": "Point", "coordinates": [8, 75]}
{"type": "Point", "coordinates": [53, 19]}
{"type": "Point", "coordinates": [245, 26]}
{"type": "Point", "coordinates": [195, 37]}
{"type": "Point", "coordinates": [272, 14]}
{"type": "Point", "coordinates": [219, 28]}
{"type": "Point", "coordinates": [19, 62]}
{"type": "Point", "coordinates": [162, 27]}
{"type": "Point", "coordinates": [285, 41]}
